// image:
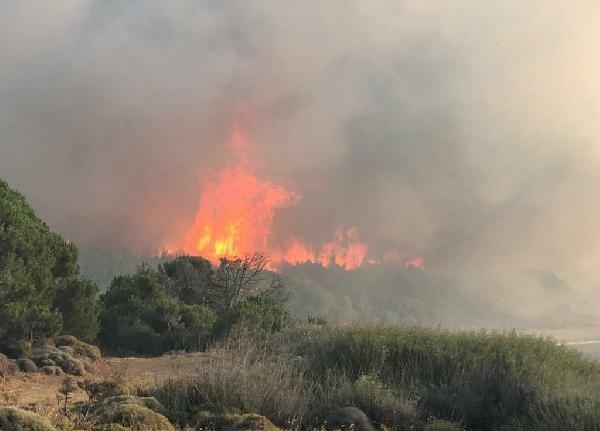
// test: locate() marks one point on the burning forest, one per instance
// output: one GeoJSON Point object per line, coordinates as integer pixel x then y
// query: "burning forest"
{"type": "Point", "coordinates": [235, 216]}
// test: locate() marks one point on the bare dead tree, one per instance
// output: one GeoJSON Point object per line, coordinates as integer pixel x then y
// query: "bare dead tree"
{"type": "Point", "coordinates": [241, 278]}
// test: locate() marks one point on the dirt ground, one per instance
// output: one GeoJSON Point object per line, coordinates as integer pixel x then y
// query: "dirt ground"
{"type": "Point", "coordinates": [40, 392]}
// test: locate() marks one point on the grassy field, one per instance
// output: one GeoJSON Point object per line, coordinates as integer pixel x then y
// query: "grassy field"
{"type": "Point", "coordinates": [401, 377]}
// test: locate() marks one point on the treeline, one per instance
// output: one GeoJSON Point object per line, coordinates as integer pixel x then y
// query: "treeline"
{"type": "Point", "coordinates": [42, 292]}
{"type": "Point", "coordinates": [187, 302]}
{"type": "Point", "coordinates": [182, 304]}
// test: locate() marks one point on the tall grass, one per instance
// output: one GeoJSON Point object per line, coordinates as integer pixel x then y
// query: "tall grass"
{"type": "Point", "coordinates": [401, 377]}
{"type": "Point", "coordinates": [239, 377]}
{"type": "Point", "coordinates": [485, 380]}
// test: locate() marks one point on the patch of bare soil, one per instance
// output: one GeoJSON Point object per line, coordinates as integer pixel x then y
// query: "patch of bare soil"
{"type": "Point", "coordinates": [39, 392]}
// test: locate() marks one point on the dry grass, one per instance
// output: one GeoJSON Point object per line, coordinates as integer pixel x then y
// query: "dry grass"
{"type": "Point", "coordinates": [236, 377]}
{"type": "Point", "coordinates": [140, 372]}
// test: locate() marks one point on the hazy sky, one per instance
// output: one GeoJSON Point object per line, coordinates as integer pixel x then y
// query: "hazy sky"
{"type": "Point", "coordinates": [465, 131]}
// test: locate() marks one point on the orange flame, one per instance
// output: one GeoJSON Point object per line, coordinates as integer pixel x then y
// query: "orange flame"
{"type": "Point", "coordinates": [235, 216]}
{"type": "Point", "coordinates": [236, 210]}
{"type": "Point", "coordinates": [345, 250]}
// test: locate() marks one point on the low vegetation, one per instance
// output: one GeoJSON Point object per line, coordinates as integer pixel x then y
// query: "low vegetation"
{"type": "Point", "coordinates": [13, 419]}
{"type": "Point", "coordinates": [401, 378]}
{"type": "Point", "coordinates": [135, 413]}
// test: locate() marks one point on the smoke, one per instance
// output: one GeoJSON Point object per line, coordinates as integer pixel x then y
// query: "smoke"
{"type": "Point", "coordinates": [463, 132]}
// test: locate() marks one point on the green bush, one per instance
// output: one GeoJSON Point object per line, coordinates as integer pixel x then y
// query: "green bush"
{"type": "Point", "coordinates": [136, 418]}
{"type": "Point", "coordinates": [26, 365]}
{"type": "Point", "coordinates": [148, 402]}
{"type": "Point", "coordinates": [72, 356]}
{"type": "Point", "coordinates": [137, 413]}
{"type": "Point", "coordinates": [13, 419]}
{"type": "Point", "coordinates": [79, 347]}
{"type": "Point", "coordinates": [233, 422]}
{"type": "Point", "coordinates": [197, 323]}
{"type": "Point", "coordinates": [258, 314]}
{"type": "Point", "coordinates": [140, 317]}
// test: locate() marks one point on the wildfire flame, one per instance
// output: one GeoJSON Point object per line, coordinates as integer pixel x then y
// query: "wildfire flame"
{"type": "Point", "coordinates": [236, 210]}
{"type": "Point", "coordinates": [235, 216]}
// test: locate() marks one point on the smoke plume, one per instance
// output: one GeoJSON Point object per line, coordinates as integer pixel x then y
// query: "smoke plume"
{"type": "Point", "coordinates": [466, 133]}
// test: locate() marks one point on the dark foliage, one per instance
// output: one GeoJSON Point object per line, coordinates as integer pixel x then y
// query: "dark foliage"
{"type": "Point", "coordinates": [140, 316]}
{"type": "Point", "coordinates": [77, 302]}
{"type": "Point", "coordinates": [187, 302]}
{"type": "Point", "coordinates": [35, 266]}
{"type": "Point", "coordinates": [188, 277]}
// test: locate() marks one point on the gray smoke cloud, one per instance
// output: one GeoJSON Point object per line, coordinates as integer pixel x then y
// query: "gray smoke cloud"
{"type": "Point", "coordinates": [465, 132]}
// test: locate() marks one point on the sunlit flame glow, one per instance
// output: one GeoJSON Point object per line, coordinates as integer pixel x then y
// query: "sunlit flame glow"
{"type": "Point", "coordinates": [235, 215]}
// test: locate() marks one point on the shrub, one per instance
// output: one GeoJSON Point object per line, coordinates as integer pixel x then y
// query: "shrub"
{"type": "Point", "coordinates": [26, 365]}
{"type": "Point", "coordinates": [8, 367]}
{"type": "Point", "coordinates": [13, 419]}
{"type": "Point", "coordinates": [487, 393]}
{"type": "Point", "coordinates": [80, 348]}
{"type": "Point", "coordinates": [139, 418]}
{"type": "Point", "coordinates": [239, 378]}
{"type": "Point", "coordinates": [148, 402]}
{"type": "Point", "coordinates": [139, 316]}
{"type": "Point", "coordinates": [134, 416]}
{"type": "Point", "coordinates": [69, 364]}
{"type": "Point", "coordinates": [395, 410]}
{"type": "Point", "coordinates": [72, 355]}
{"type": "Point", "coordinates": [46, 362]}
{"type": "Point", "coordinates": [198, 321]}
{"type": "Point", "coordinates": [52, 370]}
{"type": "Point", "coordinates": [252, 421]}
{"type": "Point", "coordinates": [137, 413]}
{"type": "Point", "coordinates": [257, 314]}
{"type": "Point", "coordinates": [67, 349]}
{"type": "Point", "coordinates": [98, 391]}
{"type": "Point", "coordinates": [233, 422]}
{"type": "Point", "coordinates": [350, 418]}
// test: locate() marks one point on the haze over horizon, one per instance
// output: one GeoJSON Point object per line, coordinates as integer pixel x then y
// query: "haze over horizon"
{"type": "Point", "coordinates": [466, 134]}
